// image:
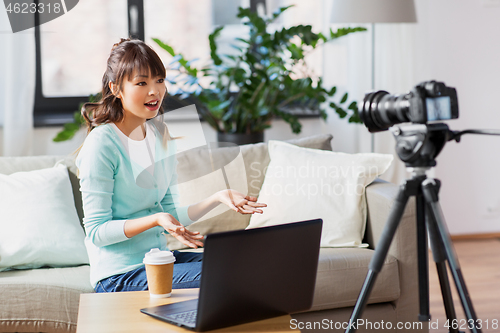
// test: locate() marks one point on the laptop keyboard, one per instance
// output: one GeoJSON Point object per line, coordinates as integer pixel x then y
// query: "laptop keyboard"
{"type": "Point", "coordinates": [187, 318]}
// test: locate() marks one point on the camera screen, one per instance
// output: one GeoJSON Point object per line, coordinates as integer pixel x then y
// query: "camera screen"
{"type": "Point", "coordinates": [438, 108]}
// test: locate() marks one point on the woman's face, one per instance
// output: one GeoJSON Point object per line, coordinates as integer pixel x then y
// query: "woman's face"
{"type": "Point", "coordinates": [141, 95]}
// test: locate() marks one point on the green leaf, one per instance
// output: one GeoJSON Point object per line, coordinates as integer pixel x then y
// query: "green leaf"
{"type": "Point", "coordinates": [353, 106]}
{"type": "Point", "coordinates": [175, 59]}
{"type": "Point", "coordinates": [243, 40]}
{"type": "Point", "coordinates": [296, 127]}
{"type": "Point", "coordinates": [332, 91]}
{"type": "Point", "coordinates": [355, 119]}
{"type": "Point", "coordinates": [228, 115]}
{"type": "Point", "coordinates": [264, 112]}
{"type": "Point", "coordinates": [344, 31]}
{"type": "Point", "coordinates": [243, 12]}
{"type": "Point", "coordinates": [344, 98]}
{"type": "Point", "coordinates": [94, 98]}
{"type": "Point", "coordinates": [71, 127]}
{"type": "Point", "coordinates": [323, 114]}
{"type": "Point", "coordinates": [222, 105]}
{"type": "Point", "coordinates": [236, 47]}
{"type": "Point", "coordinates": [63, 136]}
{"type": "Point", "coordinates": [250, 59]}
{"type": "Point", "coordinates": [341, 113]}
{"type": "Point", "coordinates": [322, 37]}
{"type": "Point", "coordinates": [296, 51]}
{"type": "Point", "coordinates": [77, 116]}
{"type": "Point", "coordinates": [178, 60]}
{"type": "Point", "coordinates": [278, 12]}
{"type": "Point", "coordinates": [213, 46]}
{"type": "Point", "coordinates": [164, 46]}
{"type": "Point", "coordinates": [229, 56]}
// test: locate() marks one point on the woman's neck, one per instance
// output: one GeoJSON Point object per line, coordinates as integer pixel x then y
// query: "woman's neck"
{"type": "Point", "coordinates": [134, 130]}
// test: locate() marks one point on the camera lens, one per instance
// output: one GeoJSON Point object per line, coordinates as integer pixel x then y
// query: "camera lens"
{"type": "Point", "coordinates": [381, 110]}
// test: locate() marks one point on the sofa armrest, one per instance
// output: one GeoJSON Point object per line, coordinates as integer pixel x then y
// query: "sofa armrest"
{"type": "Point", "coordinates": [380, 196]}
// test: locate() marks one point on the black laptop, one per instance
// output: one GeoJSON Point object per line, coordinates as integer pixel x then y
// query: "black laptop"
{"type": "Point", "coordinates": [250, 275]}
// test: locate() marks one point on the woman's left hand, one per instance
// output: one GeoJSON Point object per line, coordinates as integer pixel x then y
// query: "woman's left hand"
{"type": "Point", "coordinates": [239, 202]}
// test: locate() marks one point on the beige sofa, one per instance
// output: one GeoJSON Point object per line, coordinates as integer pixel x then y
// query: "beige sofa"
{"type": "Point", "coordinates": [46, 300]}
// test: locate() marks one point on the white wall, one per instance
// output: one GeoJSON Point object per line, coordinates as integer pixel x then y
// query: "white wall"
{"type": "Point", "coordinates": [459, 44]}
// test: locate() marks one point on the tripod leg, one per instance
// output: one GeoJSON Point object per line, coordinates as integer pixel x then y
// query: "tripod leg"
{"type": "Point", "coordinates": [440, 260]}
{"type": "Point", "coordinates": [430, 190]}
{"type": "Point", "coordinates": [380, 254]}
{"type": "Point", "coordinates": [423, 261]}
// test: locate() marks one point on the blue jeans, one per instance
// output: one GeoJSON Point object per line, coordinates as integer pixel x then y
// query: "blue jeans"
{"type": "Point", "coordinates": [187, 273]}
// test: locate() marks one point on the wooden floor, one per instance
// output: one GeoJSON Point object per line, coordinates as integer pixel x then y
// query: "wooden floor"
{"type": "Point", "coordinates": [480, 263]}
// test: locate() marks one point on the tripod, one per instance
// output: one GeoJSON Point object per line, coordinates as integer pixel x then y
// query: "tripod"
{"type": "Point", "coordinates": [418, 146]}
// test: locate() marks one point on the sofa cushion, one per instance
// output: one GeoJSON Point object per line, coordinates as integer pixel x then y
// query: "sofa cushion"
{"type": "Point", "coordinates": [254, 159]}
{"type": "Point", "coordinates": [305, 184]}
{"type": "Point", "coordinates": [341, 273]}
{"type": "Point", "coordinates": [47, 231]}
{"type": "Point", "coordinates": [42, 300]}
{"type": "Point", "coordinates": [9, 165]}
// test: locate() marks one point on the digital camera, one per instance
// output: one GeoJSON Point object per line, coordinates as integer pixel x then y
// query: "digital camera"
{"type": "Point", "coordinates": [427, 101]}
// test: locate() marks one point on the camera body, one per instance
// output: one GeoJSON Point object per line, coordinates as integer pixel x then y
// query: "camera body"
{"type": "Point", "coordinates": [427, 101]}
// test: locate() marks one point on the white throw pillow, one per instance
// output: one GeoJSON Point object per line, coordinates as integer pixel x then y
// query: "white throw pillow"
{"type": "Point", "coordinates": [303, 184]}
{"type": "Point", "coordinates": [39, 225]}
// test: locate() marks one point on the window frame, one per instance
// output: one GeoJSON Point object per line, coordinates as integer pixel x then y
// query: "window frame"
{"type": "Point", "coordinates": [57, 111]}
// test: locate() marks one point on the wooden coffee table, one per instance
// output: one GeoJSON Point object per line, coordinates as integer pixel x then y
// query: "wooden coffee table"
{"type": "Point", "coordinates": [120, 312]}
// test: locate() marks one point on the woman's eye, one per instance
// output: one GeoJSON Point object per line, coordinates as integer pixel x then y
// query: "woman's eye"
{"type": "Point", "coordinates": [141, 83]}
{"type": "Point", "coordinates": [161, 80]}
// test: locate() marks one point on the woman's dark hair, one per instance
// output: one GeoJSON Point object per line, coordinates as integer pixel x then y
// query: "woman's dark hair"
{"type": "Point", "coordinates": [127, 56]}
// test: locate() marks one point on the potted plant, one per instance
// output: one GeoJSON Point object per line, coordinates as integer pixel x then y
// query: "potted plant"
{"type": "Point", "coordinates": [266, 77]}
{"type": "Point", "coordinates": [260, 82]}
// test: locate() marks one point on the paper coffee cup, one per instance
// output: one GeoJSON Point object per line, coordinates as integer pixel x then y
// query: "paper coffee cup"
{"type": "Point", "coordinates": [159, 272]}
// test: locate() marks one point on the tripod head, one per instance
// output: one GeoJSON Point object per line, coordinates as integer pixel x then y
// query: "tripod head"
{"type": "Point", "coordinates": [418, 145]}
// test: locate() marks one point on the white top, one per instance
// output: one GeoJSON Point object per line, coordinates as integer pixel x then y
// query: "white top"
{"type": "Point", "coordinates": [142, 151]}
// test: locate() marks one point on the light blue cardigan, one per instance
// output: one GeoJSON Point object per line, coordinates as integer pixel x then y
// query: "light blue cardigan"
{"type": "Point", "coordinates": [115, 189]}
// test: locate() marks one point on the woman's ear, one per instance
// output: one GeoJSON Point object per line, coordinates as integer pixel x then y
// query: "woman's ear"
{"type": "Point", "coordinates": [114, 89]}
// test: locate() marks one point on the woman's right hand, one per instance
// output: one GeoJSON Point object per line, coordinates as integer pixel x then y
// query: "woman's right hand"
{"type": "Point", "coordinates": [176, 229]}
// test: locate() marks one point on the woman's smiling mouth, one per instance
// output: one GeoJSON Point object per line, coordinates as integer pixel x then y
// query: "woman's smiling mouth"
{"type": "Point", "coordinates": [153, 105]}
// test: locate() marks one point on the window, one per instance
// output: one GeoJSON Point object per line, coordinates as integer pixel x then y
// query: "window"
{"type": "Point", "coordinates": [71, 50]}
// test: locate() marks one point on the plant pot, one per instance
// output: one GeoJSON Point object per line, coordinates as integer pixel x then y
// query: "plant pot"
{"type": "Point", "coordinates": [241, 138]}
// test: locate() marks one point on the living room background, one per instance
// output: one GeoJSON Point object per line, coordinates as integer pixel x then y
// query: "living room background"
{"type": "Point", "coordinates": [454, 41]}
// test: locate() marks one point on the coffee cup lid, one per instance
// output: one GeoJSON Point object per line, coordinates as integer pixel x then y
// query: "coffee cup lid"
{"type": "Point", "coordinates": [157, 257]}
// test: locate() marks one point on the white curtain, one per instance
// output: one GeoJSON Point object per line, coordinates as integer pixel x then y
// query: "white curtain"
{"type": "Point", "coordinates": [347, 64]}
{"type": "Point", "coordinates": [17, 88]}
{"type": "Point", "coordinates": [395, 73]}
